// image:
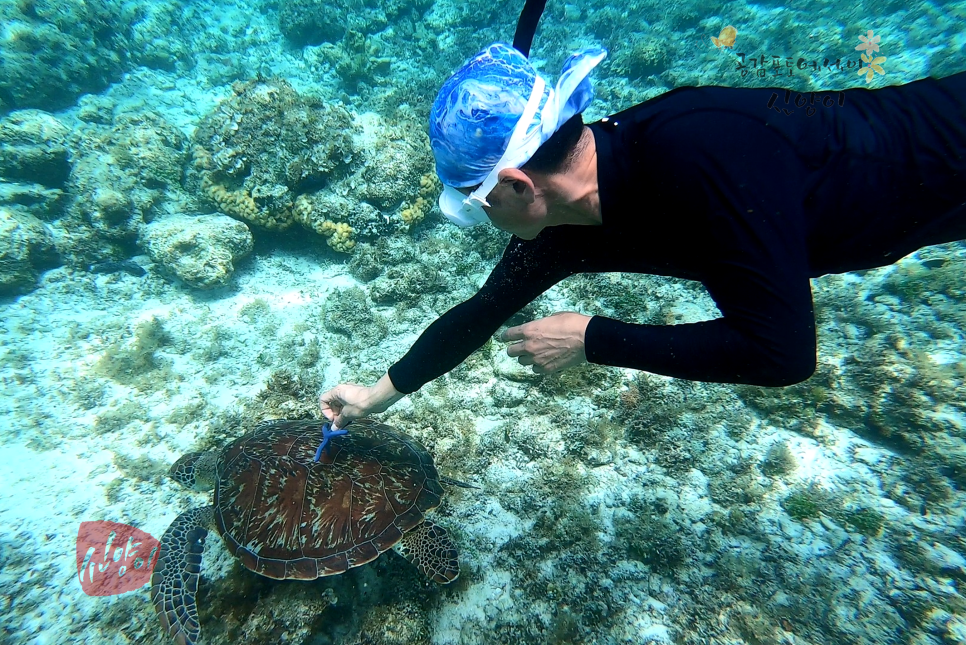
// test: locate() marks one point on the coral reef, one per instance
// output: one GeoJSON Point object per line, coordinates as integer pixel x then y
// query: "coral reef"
{"type": "Point", "coordinates": [26, 248]}
{"type": "Point", "coordinates": [201, 250]}
{"type": "Point", "coordinates": [429, 188]}
{"type": "Point", "coordinates": [398, 168]}
{"type": "Point", "coordinates": [347, 312]}
{"type": "Point", "coordinates": [125, 173]}
{"type": "Point", "coordinates": [339, 236]}
{"type": "Point", "coordinates": [53, 51]}
{"type": "Point", "coordinates": [400, 623]}
{"type": "Point", "coordinates": [641, 56]}
{"type": "Point", "coordinates": [274, 158]}
{"type": "Point", "coordinates": [33, 149]}
{"type": "Point", "coordinates": [266, 145]}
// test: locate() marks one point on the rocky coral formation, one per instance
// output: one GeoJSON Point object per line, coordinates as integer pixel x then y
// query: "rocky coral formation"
{"type": "Point", "coordinates": [33, 149]}
{"type": "Point", "coordinates": [429, 189]}
{"type": "Point", "coordinates": [34, 164]}
{"type": "Point", "coordinates": [265, 146]}
{"type": "Point", "coordinates": [314, 210]}
{"type": "Point", "coordinates": [200, 250]}
{"type": "Point", "coordinates": [52, 51]}
{"type": "Point", "coordinates": [122, 174]}
{"type": "Point", "coordinates": [397, 166]}
{"type": "Point", "coordinates": [26, 247]}
{"type": "Point", "coordinates": [274, 158]}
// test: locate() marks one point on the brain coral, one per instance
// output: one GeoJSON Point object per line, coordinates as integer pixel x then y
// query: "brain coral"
{"type": "Point", "coordinates": [266, 145]}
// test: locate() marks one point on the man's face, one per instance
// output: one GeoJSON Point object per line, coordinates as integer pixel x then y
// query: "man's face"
{"type": "Point", "coordinates": [515, 218]}
{"type": "Point", "coordinates": [510, 211]}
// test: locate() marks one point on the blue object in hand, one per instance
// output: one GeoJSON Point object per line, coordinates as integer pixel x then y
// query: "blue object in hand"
{"type": "Point", "coordinates": [327, 433]}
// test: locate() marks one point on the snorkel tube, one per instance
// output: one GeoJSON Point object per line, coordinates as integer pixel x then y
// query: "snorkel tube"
{"type": "Point", "coordinates": [527, 25]}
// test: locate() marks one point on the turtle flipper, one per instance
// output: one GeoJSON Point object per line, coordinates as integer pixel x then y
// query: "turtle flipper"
{"type": "Point", "coordinates": [175, 579]}
{"type": "Point", "coordinates": [432, 551]}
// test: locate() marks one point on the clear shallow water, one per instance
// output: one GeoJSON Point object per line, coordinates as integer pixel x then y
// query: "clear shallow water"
{"type": "Point", "coordinates": [614, 507]}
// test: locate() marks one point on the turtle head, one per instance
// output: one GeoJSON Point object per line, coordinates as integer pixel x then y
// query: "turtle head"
{"type": "Point", "coordinates": [195, 470]}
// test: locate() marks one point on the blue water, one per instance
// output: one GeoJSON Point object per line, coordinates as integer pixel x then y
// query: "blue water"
{"type": "Point", "coordinates": [212, 212]}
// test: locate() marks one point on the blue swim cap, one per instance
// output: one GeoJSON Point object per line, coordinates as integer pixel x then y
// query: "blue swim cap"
{"type": "Point", "coordinates": [477, 110]}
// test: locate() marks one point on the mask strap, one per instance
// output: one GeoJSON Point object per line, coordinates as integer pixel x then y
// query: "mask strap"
{"type": "Point", "coordinates": [478, 196]}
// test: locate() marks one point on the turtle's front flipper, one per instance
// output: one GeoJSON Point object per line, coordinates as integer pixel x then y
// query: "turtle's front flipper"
{"type": "Point", "coordinates": [430, 548]}
{"type": "Point", "coordinates": [175, 579]}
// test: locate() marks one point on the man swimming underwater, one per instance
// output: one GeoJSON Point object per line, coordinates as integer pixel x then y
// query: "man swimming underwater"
{"type": "Point", "coordinates": [711, 184]}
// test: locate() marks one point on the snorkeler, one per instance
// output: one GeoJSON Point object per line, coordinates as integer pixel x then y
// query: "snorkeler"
{"type": "Point", "coordinates": [726, 186]}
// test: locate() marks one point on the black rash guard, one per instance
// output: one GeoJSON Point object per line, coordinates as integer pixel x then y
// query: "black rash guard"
{"type": "Point", "coordinates": [750, 194]}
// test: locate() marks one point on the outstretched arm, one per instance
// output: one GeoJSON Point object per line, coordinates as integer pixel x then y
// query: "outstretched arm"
{"type": "Point", "coordinates": [526, 270]}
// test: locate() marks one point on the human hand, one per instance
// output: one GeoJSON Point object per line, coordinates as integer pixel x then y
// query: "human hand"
{"type": "Point", "coordinates": [347, 402]}
{"type": "Point", "coordinates": [549, 344]}
{"type": "Point", "coordinates": [344, 403]}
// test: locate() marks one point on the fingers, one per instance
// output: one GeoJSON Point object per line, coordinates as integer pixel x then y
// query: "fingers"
{"type": "Point", "coordinates": [332, 405]}
{"type": "Point", "coordinates": [526, 359]}
{"type": "Point", "coordinates": [513, 333]}
{"type": "Point", "coordinates": [516, 349]}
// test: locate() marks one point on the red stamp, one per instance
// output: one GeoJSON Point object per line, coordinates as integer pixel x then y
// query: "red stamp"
{"type": "Point", "coordinates": [113, 558]}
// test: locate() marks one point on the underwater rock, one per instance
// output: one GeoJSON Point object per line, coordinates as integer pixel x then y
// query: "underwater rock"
{"type": "Point", "coordinates": [395, 165]}
{"type": "Point", "coordinates": [54, 51]}
{"type": "Point", "coordinates": [200, 250]}
{"type": "Point", "coordinates": [266, 145]}
{"type": "Point", "coordinates": [32, 149]}
{"type": "Point", "coordinates": [26, 247]}
{"type": "Point", "coordinates": [148, 147]}
{"type": "Point", "coordinates": [44, 203]}
{"type": "Point", "coordinates": [124, 174]}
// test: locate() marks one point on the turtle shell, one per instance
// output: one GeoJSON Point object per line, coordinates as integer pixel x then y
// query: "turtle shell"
{"type": "Point", "coordinates": [286, 516]}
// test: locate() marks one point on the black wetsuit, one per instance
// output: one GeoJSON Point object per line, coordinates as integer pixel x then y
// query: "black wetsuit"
{"type": "Point", "coordinates": [713, 184]}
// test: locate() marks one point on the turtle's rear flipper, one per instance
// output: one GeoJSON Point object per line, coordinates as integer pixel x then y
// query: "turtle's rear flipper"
{"type": "Point", "coordinates": [429, 547]}
{"type": "Point", "coordinates": [175, 579]}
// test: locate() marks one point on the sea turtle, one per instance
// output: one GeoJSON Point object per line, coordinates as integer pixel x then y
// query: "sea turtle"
{"type": "Point", "coordinates": [290, 510]}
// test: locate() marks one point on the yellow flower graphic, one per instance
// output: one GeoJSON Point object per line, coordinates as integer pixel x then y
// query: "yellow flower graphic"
{"type": "Point", "coordinates": [873, 66]}
{"type": "Point", "coordinates": [870, 43]}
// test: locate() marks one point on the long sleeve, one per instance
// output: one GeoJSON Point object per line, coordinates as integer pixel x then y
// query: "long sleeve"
{"type": "Point", "coordinates": [526, 270]}
{"type": "Point", "coordinates": [751, 255]}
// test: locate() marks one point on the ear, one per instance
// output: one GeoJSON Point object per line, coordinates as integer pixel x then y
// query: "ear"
{"type": "Point", "coordinates": [520, 182]}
